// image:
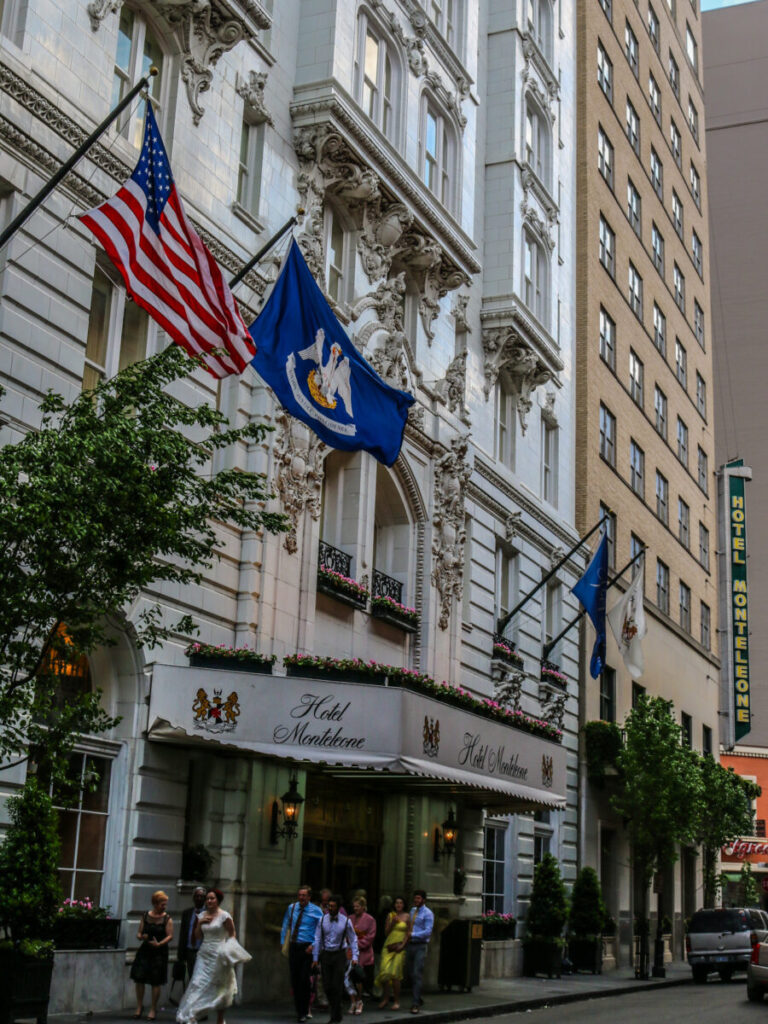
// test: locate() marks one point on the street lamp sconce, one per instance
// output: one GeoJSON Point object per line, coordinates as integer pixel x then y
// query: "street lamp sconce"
{"type": "Point", "coordinates": [445, 842]}
{"type": "Point", "coordinates": [291, 801]}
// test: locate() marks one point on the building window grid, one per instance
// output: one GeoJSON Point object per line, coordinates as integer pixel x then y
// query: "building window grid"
{"type": "Point", "coordinates": [695, 185]}
{"type": "Point", "coordinates": [604, 72]}
{"type": "Point", "coordinates": [674, 75]}
{"type": "Point", "coordinates": [607, 339]}
{"type": "Point", "coordinates": [678, 279]}
{"type": "Point", "coordinates": [705, 626]}
{"type": "Point", "coordinates": [634, 208]}
{"type": "Point", "coordinates": [675, 143]}
{"type": "Point", "coordinates": [703, 470]}
{"type": "Point", "coordinates": [681, 363]}
{"type": "Point", "coordinates": [636, 546]}
{"type": "Point", "coordinates": [609, 519]}
{"type": "Point", "coordinates": [697, 252]}
{"type": "Point", "coordinates": [677, 213]}
{"type": "Point", "coordinates": [636, 468]}
{"type": "Point", "coordinates": [607, 250]}
{"type": "Point", "coordinates": [685, 607]}
{"type": "Point", "coordinates": [657, 249]}
{"type": "Point", "coordinates": [660, 409]}
{"type": "Point", "coordinates": [704, 546]}
{"type": "Point", "coordinates": [635, 287]}
{"type": "Point", "coordinates": [493, 868]}
{"type": "Point", "coordinates": [607, 6]}
{"type": "Point", "coordinates": [706, 732]}
{"type": "Point", "coordinates": [633, 127]}
{"type": "Point", "coordinates": [701, 394]}
{"type": "Point", "coordinates": [607, 435]}
{"type": "Point", "coordinates": [631, 49]}
{"type": "Point", "coordinates": [691, 48]}
{"type": "Point", "coordinates": [662, 498]}
{"type": "Point", "coordinates": [636, 378]}
{"type": "Point", "coordinates": [659, 330]}
{"type": "Point", "coordinates": [684, 523]}
{"type": "Point", "coordinates": [657, 174]}
{"type": "Point", "coordinates": [682, 441]}
{"type": "Point", "coordinates": [608, 695]}
{"type": "Point", "coordinates": [376, 77]}
{"type": "Point", "coordinates": [83, 828]}
{"type": "Point", "coordinates": [693, 119]}
{"type": "Point", "coordinates": [698, 322]}
{"type": "Point", "coordinates": [605, 157]}
{"type": "Point", "coordinates": [654, 96]}
{"type": "Point", "coordinates": [653, 28]}
{"type": "Point", "coordinates": [686, 730]}
{"type": "Point", "coordinates": [662, 587]}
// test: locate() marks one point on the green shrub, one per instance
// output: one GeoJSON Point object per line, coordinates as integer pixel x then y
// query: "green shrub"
{"type": "Point", "coordinates": [548, 910]}
{"type": "Point", "coordinates": [602, 742]}
{"type": "Point", "coordinates": [587, 915]}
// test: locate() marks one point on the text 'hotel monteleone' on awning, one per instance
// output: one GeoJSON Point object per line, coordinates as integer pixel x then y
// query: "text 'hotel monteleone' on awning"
{"type": "Point", "coordinates": [348, 727]}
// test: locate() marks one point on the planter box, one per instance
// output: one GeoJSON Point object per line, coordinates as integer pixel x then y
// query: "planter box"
{"type": "Point", "coordinates": [391, 617]}
{"type": "Point", "coordinates": [79, 933]}
{"type": "Point", "coordinates": [542, 957]}
{"type": "Point", "coordinates": [586, 955]}
{"type": "Point", "coordinates": [507, 935]}
{"type": "Point", "coordinates": [232, 664]}
{"type": "Point", "coordinates": [502, 958]}
{"type": "Point", "coordinates": [610, 945]}
{"type": "Point", "coordinates": [350, 675]}
{"type": "Point", "coordinates": [94, 980]}
{"type": "Point", "coordinates": [518, 665]}
{"type": "Point", "coordinates": [324, 587]}
{"type": "Point", "coordinates": [26, 987]}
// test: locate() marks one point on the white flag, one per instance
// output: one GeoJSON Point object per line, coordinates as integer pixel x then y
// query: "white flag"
{"type": "Point", "coordinates": [627, 622]}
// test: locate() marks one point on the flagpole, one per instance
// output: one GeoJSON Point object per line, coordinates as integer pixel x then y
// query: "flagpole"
{"type": "Point", "coordinates": [265, 249]}
{"type": "Point", "coordinates": [552, 643]}
{"type": "Point", "coordinates": [82, 149]}
{"type": "Point", "coordinates": [501, 625]}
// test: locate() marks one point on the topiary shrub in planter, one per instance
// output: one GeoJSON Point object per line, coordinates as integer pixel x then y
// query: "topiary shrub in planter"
{"type": "Point", "coordinates": [586, 921]}
{"type": "Point", "coordinates": [547, 916]}
{"type": "Point", "coordinates": [29, 900]}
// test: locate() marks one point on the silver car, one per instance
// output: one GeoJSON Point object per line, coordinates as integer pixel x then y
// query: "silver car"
{"type": "Point", "coordinates": [757, 973]}
{"type": "Point", "coordinates": [721, 939]}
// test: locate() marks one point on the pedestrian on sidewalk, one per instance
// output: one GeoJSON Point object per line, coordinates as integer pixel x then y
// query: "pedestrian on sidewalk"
{"type": "Point", "coordinates": [150, 966]}
{"type": "Point", "coordinates": [300, 923]}
{"type": "Point", "coordinates": [188, 944]}
{"type": "Point", "coordinates": [334, 935]}
{"type": "Point", "coordinates": [391, 968]}
{"type": "Point", "coordinates": [422, 923]}
{"type": "Point", "coordinates": [365, 930]}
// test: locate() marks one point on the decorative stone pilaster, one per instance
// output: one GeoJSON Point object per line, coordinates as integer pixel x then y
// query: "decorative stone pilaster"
{"type": "Point", "coordinates": [504, 349]}
{"type": "Point", "coordinates": [452, 472]}
{"type": "Point", "coordinates": [298, 454]}
{"type": "Point", "coordinates": [451, 388]}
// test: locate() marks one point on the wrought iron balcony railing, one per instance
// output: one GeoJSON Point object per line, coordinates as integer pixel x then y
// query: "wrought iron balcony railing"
{"type": "Point", "coordinates": [332, 558]}
{"type": "Point", "coordinates": [386, 586]}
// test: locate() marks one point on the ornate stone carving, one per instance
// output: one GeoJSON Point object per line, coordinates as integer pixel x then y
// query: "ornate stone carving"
{"type": "Point", "coordinates": [450, 100]}
{"type": "Point", "coordinates": [548, 413]}
{"type": "Point", "coordinates": [504, 349]}
{"type": "Point", "coordinates": [512, 526]}
{"type": "Point", "coordinates": [451, 388]}
{"type": "Point", "coordinates": [452, 472]}
{"type": "Point", "coordinates": [310, 242]}
{"type": "Point", "coordinates": [555, 555]}
{"type": "Point", "coordinates": [252, 91]}
{"type": "Point", "coordinates": [99, 9]}
{"type": "Point", "coordinates": [459, 313]}
{"type": "Point", "coordinates": [298, 473]}
{"type": "Point", "coordinates": [387, 301]}
{"type": "Point", "coordinates": [391, 362]}
{"type": "Point", "coordinates": [383, 226]}
{"type": "Point", "coordinates": [553, 707]}
{"type": "Point", "coordinates": [536, 223]}
{"type": "Point", "coordinates": [417, 415]}
{"type": "Point", "coordinates": [508, 686]}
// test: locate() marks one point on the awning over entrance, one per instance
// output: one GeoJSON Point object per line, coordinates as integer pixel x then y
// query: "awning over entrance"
{"type": "Point", "coordinates": [353, 728]}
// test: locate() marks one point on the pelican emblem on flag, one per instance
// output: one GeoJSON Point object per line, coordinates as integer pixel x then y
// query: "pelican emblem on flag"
{"type": "Point", "coordinates": [329, 378]}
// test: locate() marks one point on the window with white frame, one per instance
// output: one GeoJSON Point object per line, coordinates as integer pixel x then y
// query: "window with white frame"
{"type": "Point", "coordinates": [662, 498]}
{"type": "Point", "coordinates": [682, 441]}
{"type": "Point", "coordinates": [539, 18]}
{"type": "Point", "coordinates": [698, 322]}
{"type": "Point", "coordinates": [659, 330]}
{"type": "Point", "coordinates": [137, 50]}
{"type": "Point", "coordinates": [653, 28]}
{"type": "Point", "coordinates": [683, 523]}
{"type": "Point", "coordinates": [438, 153]}
{"type": "Point", "coordinates": [672, 5]}
{"type": "Point", "coordinates": [377, 76]}
{"type": "Point", "coordinates": [552, 611]}
{"type": "Point", "coordinates": [607, 435]}
{"type": "Point", "coordinates": [697, 252]}
{"type": "Point", "coordinates": [609, 520]}
{"type": "Point", "coordinates": [636, 547]}
{"type": "Point", "coordinates": [507, 581]}
{"type": "Point", "coordinates": [542, 835]}
{"type": "Point", "coordinates": [660, 411]}
{"type": "Point", "coordinates": [336, 256]}
{"type": "Point", "coordinates": [703, 470]}
{"type": "Point", "coordinates": [250, 164]}
{"type": "Point", "coordinates": [13, 17]}
{"type": "Point", "coordinates": [657, 174]}
{"type": "Point", "coordinates": [695, 185]}
{"type": "Point", "coordinates": [446, 16]}
{"type": "Point", "coordinates": [635, 285]}
{"type": "Point", "coordinates": [633, 127]}
{"type": "Point", "coordinates": [704, 546]}
{"type": "Point", "coordinates": [119, 332]}
{"type": "Point", "coordinates": [657, 248]}
{"type": "Point", "coordinates": [605, 157]}
{"type": "Point", "coordinates": [604, 72]}
{"type": "Point", "coordinates": [675, 142]}
{"type": "Point", "coordinates": [705, 623]}
{"type": "Point", "coordinates": [549, 445]}
{"type": "Point", "coordinates": [607, 6]}
{"type": "Point", "coordinates": [537, 137]}
{"type": "Point", "coordinates": [681, 363]}
{"type": "Point", "coordinates": [636, 378]}
{"type": "Point", "coordinates": [677, 213]}
{"type": "Point", "coordinates": [685, 606]}
{"type": "Point", "coordinates": [701, 394]}
{"type": "Point", "coordinates": [654, 97]}
{"type": "Point", "coordinates": [634, 207]}
{"type": "Point", "coordinates": [505, 422]}
{"type": "Point", "coordinates": [678, 280]}
{"type": "Point", "coordinates": [662, 586]}
{"type": "Point", "coordinates": [493, 868]}
{"type": "Point", "coordinates": [693, 119]}
{"type": "Point", "coordinates": [534, 276]}
{"type": "Point", "coordinates": [631, 49]}
{"type": "Point", "coordinates": [607, 339]}
{"type": "Point", "coordinates": [636, 468]}
{"type": "Point", "coordinates": [83, 815]}
{"type": "Point", "coordinates": [607, 247]}
{"type": "Point", "coordinates": [674, 75]}
{"type": "Point", "coordinates": [691, 48]}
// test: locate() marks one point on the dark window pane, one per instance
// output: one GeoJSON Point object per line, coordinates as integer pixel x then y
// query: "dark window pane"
{"type": "Point", "coordinates": [90, 849]}
{"type": "Point", "coordinates": [67, 832]}
{"type": "Point", "coordinates": [97, 800]}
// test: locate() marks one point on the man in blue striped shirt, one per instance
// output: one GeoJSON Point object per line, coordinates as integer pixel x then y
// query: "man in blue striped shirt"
{"type": "Point", "coordinates": [301, 919]}
{"type": "Point", "coordinates": [334, 938]}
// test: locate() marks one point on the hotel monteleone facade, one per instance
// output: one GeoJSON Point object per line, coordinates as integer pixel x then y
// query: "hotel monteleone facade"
{"type": "Point", "coordinates": [430, 148]}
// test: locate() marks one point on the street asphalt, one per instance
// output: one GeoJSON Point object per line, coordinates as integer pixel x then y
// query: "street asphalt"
{"type": "Point", "coordinates": [491, 998]}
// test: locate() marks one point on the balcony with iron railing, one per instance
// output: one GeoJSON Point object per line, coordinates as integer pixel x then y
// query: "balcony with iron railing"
{"type": "Point", "coordinates": [334, 577]}
{"type": "Point", "coordinates": [387, 603]}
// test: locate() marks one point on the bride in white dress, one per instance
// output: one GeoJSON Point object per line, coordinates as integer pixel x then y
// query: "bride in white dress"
{"type": "Point", "coordinates": [213, 985]}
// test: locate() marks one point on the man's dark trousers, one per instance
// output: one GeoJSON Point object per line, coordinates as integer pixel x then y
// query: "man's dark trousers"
{"type": "Point", "coordinates": [334, 965]}
{"type": "Point", "coordinates": [300, 968]}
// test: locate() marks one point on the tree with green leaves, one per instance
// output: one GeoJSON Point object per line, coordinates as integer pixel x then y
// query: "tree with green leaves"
{"type": "Point", "coordinates": [724, 815]}
{"type": "Point", "coordinates": [660, 794]}
{"type": "Point", "coordinates": [588, 912]}
{"type": "Point", "coordinates": [548, 909]}
{"type": "Point", "coordinates": [749, 893]}
{"type": "Point", "coordinates": [114, 496]}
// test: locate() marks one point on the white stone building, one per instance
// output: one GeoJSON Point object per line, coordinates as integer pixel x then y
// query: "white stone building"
{"type": "Point", "coordinates": [431, 147]}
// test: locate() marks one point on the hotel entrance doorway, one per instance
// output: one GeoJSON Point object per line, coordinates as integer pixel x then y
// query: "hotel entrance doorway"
{"type": "Point", "coordinates": [342, 839]}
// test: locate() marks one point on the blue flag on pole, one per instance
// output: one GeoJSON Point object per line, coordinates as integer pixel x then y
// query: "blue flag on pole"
{"type": "Point", "coordinates": [305, 356]}
{"type": "Point", "coordinates": [590, 590]}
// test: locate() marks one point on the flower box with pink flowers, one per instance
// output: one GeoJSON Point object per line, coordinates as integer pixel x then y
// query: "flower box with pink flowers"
{"type": "Point", "coordinates": [237, 659]}
{"type": "Point", "coordinates": [396, 614]}
{"type": "Point", "coordinates": [342, 588]}
{"type": "Point", "coordinates": [550, 673]}
{"type": "Point", "coordinates": [82, 924]}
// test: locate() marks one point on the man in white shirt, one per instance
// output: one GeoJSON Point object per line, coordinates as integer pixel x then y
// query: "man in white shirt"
{"type": "Point", "coordinates": [334, 936]}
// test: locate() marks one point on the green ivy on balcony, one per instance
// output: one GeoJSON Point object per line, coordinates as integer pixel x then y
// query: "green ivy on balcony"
{"type": "Point", "coordinates": [603, 743]}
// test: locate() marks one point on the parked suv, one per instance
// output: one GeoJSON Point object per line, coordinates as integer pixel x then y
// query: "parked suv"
{"type": "Point", "coordinates": [721, 939]}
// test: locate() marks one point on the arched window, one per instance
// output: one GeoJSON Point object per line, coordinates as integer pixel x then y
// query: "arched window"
{"type": "Point", "coordinates": [137, 50]}
{"type": "Point", "coordinates": [535, 275]}
{"type": "Point", "coordinates": [377, 76]}
{"type": "Point", "coordinates": [539, 25]}
{"type": "Point", "coordinates": [391, 540]}
{"type": "Point", "coordinates": [448, 18]}
{"type": "Point", "coordinates": [537, 141]}
{"type": "Point", "coordinates": [438, 156]}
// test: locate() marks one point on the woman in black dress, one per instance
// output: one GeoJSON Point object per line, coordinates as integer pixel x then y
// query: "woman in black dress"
{"type": "Point", "coordinates": [151, 964]}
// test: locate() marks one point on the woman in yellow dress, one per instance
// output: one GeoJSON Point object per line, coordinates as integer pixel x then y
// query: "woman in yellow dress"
{"type": "Point", "coordinates": [392, 964]}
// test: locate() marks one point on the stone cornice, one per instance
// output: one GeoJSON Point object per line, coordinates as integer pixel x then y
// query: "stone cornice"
{"type": "Point", "coordinates": [328, 102]}
{"type": "Point", "coordinates": [486, 472]}
{"type": "Point", "coordinates": [533, 53]}
{"type": "Point", "coordinates": [514, 314]}
{"type": "Point", "coordinates": [423, 27]}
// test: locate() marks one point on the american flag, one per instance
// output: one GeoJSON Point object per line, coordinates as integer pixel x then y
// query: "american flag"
{"type": "Point", "coordinates": [166, 268]}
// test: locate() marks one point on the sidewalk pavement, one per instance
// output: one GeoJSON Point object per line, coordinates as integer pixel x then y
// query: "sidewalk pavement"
{"type": "Point", "coordinates": [493, 996]}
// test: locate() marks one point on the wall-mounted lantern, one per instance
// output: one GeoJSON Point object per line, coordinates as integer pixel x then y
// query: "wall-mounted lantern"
{"type": "Point", "coordinates": [291, 801]}
{"type": "Point", "coordinates": [445, 843]}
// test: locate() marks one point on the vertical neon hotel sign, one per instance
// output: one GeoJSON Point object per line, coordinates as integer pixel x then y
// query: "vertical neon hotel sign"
{"type": "Point", "coordinates": [737, 525]}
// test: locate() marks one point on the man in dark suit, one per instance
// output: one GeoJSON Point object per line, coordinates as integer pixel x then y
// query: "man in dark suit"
{"type": "Point", "coordinates": [188, 947]}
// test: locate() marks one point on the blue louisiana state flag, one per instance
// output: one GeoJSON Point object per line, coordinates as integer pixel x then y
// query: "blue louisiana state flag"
{"type": "Point", "coordinates": [591, 590]}
{"type": "Point", "coordinates": [305, 356]}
